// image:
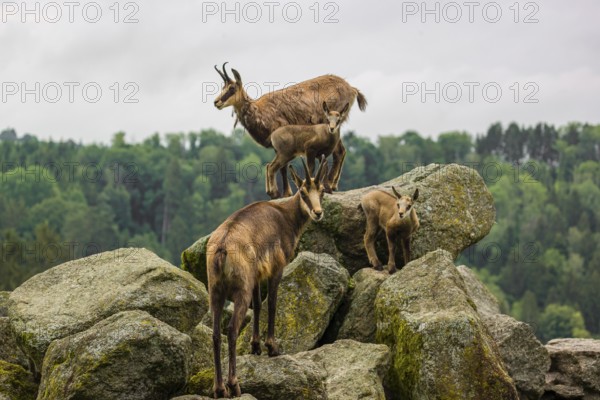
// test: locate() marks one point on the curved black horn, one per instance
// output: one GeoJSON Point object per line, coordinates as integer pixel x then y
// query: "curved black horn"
{"type": "Point", "coordinates": [220, 73]}
{"type": "Point", "coordinates": [306, 173]}
{"type": "Point", "coordinates": [227, 78]}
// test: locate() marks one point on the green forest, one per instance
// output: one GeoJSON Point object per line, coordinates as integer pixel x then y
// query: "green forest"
{"type": "Point", "coordinates": [64, 200]}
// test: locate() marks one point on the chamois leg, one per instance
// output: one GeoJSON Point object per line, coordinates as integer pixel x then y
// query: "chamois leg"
{"type": "Point", "coordinates": [406, 249]}
{"type": "Point", "coordinates": [217, 301]}
{"type": "Point", "coordinates": [270, 181]}
{"type": "Point", "coordinates": [287, 190]}
{"type": "Point", "coordinates": [256, 328]}
{"type": "Point", "coordinates": [391, 242]}
{"type": "Point", "coordinates": [369, 239]}
{"type": "Point", "coordinates": [241, 301]}
{"type": "Point", "coordinates": [272, 296]}
{"type": "Point", "coordinates": [339, 154]}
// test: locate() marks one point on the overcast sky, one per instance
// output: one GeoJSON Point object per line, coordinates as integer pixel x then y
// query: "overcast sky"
{"type": "Point", "coordinates": [549, 65]}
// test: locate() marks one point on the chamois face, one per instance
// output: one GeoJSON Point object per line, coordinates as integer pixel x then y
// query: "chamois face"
{"type": "Point", "coordinates": [404, 203]}
{"type": "Point", "coordinates": [334, 118]}
{"type": "Point", "coordinates": [231, 90]}
{"type": "Point", "coordinates": [311, 190]}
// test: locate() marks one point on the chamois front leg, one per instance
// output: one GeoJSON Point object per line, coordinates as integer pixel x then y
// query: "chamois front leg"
{"type": "Point", "coordinates": [287, 190]}
{"type": "Point", "coordinates": [406, 250]}
{"type": "Point", "coordinates": [256, 322]}
{"type": "Point", "coordinates": [217, 301]}
{"type": "Point", "coordinates": [392, 238]}
{"type": "Point", "coordinates": [339, 154]}
{"type": "Point", "coordinates": [369, 239]}
{"type": "Point", "coordinates": [278, 163]}
{"type": "Point", "coordinates": [272, 300]}
{"type": "Point", "coordinates": [241, 301]}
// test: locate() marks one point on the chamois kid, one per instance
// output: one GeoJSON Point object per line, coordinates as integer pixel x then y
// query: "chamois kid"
{"type": "Point", "coordinates": [253, 244]}
{"type": "Point", "coordinates": [311, 141]}
{"type": "Point", "coordinates": [396, 215]}
{"type": "Point", "coordinates": [299, 104]}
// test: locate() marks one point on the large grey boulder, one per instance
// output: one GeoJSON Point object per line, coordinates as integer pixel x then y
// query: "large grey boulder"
{"type": "Point", "coordinates": [311, 289]}
{"type": "Point", "coordinates": [455, 208]}
{"type": "Point", "coordinates": [16, 383]}
{"type": "Point", "coordinates": [4, 303]}
{"type": "Point", "coordinates": [575, 370]}
{"type": "Point", "coordinates": [244, 396]}
{"type": "Point", "coordinates": [202, 356]}
{"type": "Point", "coordinates": [268, 378]}
{"type": "Point", "coordinates": [9, 350]}
{"type": "Point", "coordinates": [354, 370]}
{"type": "Point", "coordinates": [72, 297]}
{"type": "Point", "coordinates": [359, 321]}
{"type": "Point", "coordinates": [130, 355]}
{"type": "Point", "coordinates": [525, 358]}
{"type": "Point", "coordinates": [440, 347]}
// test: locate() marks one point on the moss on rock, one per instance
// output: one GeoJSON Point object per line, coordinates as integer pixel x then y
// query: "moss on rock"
{"type": "Point", "coordinates": [440, 348]}
{"type": "Point", "coordinates": [16, 383]}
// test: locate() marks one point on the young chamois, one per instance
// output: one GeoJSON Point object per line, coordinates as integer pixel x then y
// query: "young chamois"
{"type": "Point", "coordinates": [253, 244]}
{"type": "Point", "coordinates": [299, 104]}
{"type": "Point", "coordinates": [394, 214]}
{"type": "Point", "coordinates": [311, 141]}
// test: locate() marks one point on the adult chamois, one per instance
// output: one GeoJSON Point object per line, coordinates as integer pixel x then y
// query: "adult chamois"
{"type": "Point", "coordinates": [253, 244]}
{"type": "Point", "coordinates": [310, 141]}
{"type": "Point", "coordinates": [299, 104]}
{"type": "Point", "coordinates": [394, 214]}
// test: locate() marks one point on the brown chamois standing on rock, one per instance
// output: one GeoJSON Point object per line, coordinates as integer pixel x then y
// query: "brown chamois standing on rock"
{"type": "Point", "coordinates": [394, 214]}
{"type": "Point", "coordinates": [299, 104]}
{"type": "Point", "coordinates": [253, 244]}
{"type": "Point", "coordinates": [311, 141]}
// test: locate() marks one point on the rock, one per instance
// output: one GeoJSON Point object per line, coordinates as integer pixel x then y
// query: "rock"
{"type": "Point", "coordinates": [525, 358]}
{"type": "Point", "coordinates": [439, 345]}
{"type": "Point", "coordinates": [311, 289]}
{"type": "Point", "coordinates": [9, 350]}
{"type": "Point", "coordinates": [196, 397]}
{"type": "Point", "coordinates": [354, 370]}
{"type": "Point", "coordinates": [455, 208]}
{"type": "Point", "coordinates": [359, 322]}
{"type": "Point", "coordinates": [226, 317]}
{"type": "Point", "coordinates": [4, 303]}
{"type": "Point", "coordinates": [72, 297]}
{"type": "Point", "coordinates": [485, 301]}
{"type": "Point", "coordinates": [202, 349]}
{"type": "Point", "coordinates": [575, 370]}
{"type": "Point", "coordinates": [268, 378]}
{"type": "Point", "coordinates": [16, 383]}
{"type": "Point", "coordinates": [130, 355]}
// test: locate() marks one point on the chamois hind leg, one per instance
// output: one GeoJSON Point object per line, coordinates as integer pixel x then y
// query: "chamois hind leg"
{"type": "Point", "coordinates": [217, 301]}
{"type": "Point", "coordinates": [272, 300]}
{"type": "Point", "coordinates": [370, 235]}
{"type": "Point", "coordinates": [256, 321]}
{"type": "Point", "coordinates": [391, 242]}
{"type": "Point", "coordinates": [339, 154]}
{"type": "Point", "coordinates": [241, 301]}
{"type": "Point", "coordinates": [272, 168]}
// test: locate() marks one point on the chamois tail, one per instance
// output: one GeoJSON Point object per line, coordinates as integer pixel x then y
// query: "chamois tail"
{"type": "Point", "coordinates": [362, 100]}
{"type": "Point", "coordinates": [219, 260]}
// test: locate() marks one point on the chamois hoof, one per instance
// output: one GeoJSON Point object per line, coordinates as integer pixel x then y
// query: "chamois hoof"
{"type": "Point", "coordinates": [273, 350]}
{"type": "Point", "coordinates": [256, 349]}
{"type": "Point", "coordinates": [235, 389]}
{"type": "Point", "coordinates": [221, 393]}
{"type": "Point", "coordinates": [392, 270]}
{"type": "Point", "coordinates": [274, 195]}
{"type": "Point", "coordinates": [377, 267]}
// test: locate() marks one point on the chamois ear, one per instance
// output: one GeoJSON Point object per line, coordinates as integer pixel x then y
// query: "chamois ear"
{"type": "Point", "coordinates": [297, 180]}
{"type": "Point", "coordinates": [398, 195]}
{"type": "Point", "coordinates": [345, 109]}
{"type": "Point", "coordinates": [238, 78]}
{"type": "Point", "coordinates": [325, 107]}
{"type": "Point", "coordinates": [415, 195]}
